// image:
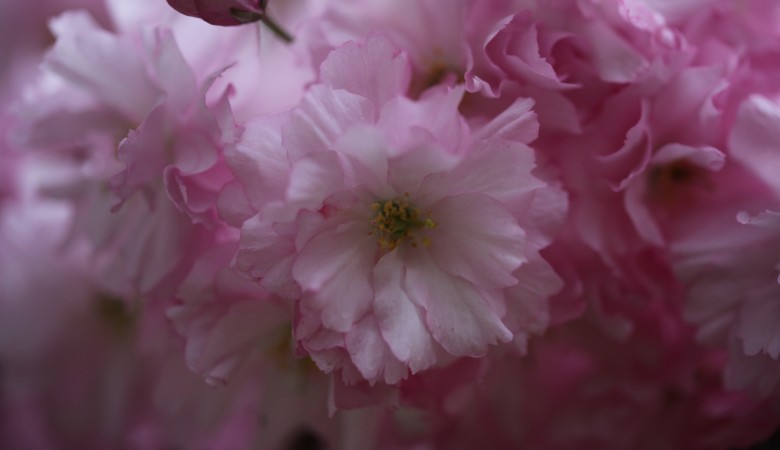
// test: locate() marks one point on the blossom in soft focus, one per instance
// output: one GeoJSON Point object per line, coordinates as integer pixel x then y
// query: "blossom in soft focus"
{"type": "Point", "coordinates": [390, 224]}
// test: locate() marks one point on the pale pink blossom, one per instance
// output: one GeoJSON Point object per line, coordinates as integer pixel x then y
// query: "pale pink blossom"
{"type": "Point", "coordinates": [404, 237]}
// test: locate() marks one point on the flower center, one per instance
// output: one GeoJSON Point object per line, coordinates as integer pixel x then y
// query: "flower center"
{"type": "Point", "coordinates": [396, 220]}
{"type": "Point", "coordinates": [670, 184]}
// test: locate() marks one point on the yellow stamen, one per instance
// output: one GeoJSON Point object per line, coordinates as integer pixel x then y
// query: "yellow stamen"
{"type": "Point", "coordinates": [396, 220]}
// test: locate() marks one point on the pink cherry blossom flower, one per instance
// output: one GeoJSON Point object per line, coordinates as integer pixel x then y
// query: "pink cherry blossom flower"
{"type": "Point", "coordinates": [400, 236]}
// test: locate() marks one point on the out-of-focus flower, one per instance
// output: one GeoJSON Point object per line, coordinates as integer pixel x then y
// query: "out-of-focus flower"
{"type": "Point", "coordinates": [234, 332]}
{"type": "Point", "coordinates": [733, 286]}
{"type": "Point", "coordinates": [579, 385]}
{"type": "Point", "coordinates": [160, 208]}
{"type": "Point", "coordinates": [119, 364]}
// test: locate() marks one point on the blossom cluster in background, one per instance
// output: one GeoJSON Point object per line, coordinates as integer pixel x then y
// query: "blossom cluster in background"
{"type": "Point", "coordinates": [389, 224]}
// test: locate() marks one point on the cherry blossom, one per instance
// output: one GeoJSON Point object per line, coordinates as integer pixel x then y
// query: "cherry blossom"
{"type": "Point", "coordinates": [399, 238]}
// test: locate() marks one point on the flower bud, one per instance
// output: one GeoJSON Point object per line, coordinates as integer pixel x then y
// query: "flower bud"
{"type": "Point", "coordinates": [222, 12]}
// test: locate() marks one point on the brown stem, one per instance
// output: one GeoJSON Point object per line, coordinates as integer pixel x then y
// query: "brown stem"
{"type": "Point", "coordinates": [280, 32]}
{"type": "Point", "coordinates": [251, 17]}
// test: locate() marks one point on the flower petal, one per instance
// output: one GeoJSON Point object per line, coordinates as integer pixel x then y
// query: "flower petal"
{"type": "Point", "coordinates": [267, 256]}
{"type": "Point", "coordinates": [400, 321]}
{"type": "Point", "coordinates": [333, 269]}
{"type": "Point", "coordinates": [459, 315]}
{"type": "Point", "coordinates": [370, 354]}
{"type": "Point", "coordinates": [90, 57]}
{"type": "Point", "coordinates": [376, 70]}
{"type": "Point", "coordinates": [486, 169]}
{"type": "Point", "coordinates": [477, 239]}
{"type": "Point", "coordinates": [323, 115]}
{"type": "Point", "coordinates": [755, 138]}
{"type": "Point", "coordinates": [260, 162]}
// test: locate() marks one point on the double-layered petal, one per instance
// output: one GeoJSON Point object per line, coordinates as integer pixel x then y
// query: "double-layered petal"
{"type": "Point", "coordinates": [406, 232]}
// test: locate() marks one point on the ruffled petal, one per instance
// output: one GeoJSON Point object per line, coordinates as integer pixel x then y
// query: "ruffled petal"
{"type": "Point", "coordinates": [477, 239]}
{"type": "Point", "coordinates": [371, 355]}
{"type": "Point", "coordinates": [323, 115]}
{"type": "Point", "coordinates": [401, 321]}
{"type": "Point", "coordinates": [516, 123]}
{"type": "Point", "coordinates": [486, 169]}
{"type": "Point", "coordinates": [458, 314]}
{"type": "Point", "coordinates": [376, 70]}
{"type": "Point", "coordinates": [755, 138]}
{"type": "Point", "coordinates": [334, 269]}
{"type": "Point", "coordinates": [92, 58]}
{"type": "Point", "coordinates": [267, 256]}
{"type": "Point", "coordinates": [259, 161]}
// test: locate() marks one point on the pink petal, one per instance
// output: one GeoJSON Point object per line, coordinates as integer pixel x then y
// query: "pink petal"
{"type": "Point", "coordinates": [516, 123]}
{"type": "Point", "coordinates": [614, 59]}
{"type": "Point", "coordinates": [755, 138]}
{"type": "Point", "coordinates": [422, 157]}
{"type": "Point", "coordinates": [706, 157]}
{"type": "Point", "coordinates": [363, 152]}
{"type": "Point", "coordinates": [486, 169]}
{"type": "Point", "coordinates": [399, 319]}
{"type": "Point", "coordinates": [544, 216]}
{"type": "Point", "coordinates": [160, 249]}
{"type": "Point", "coordinates": [641, 217]}
{"type": "Point", "coordinates": [99, 61]}
{"type": "Point", "coordinates": [259, 162]}
{"type": "Point", "coordinates": [757, 373]}
{"type": "Point", "coordinates": [323, 115]}
{"type": "Point", "coordinates": [515, 49]}
{"type": "Point", "coordinates": [370, 354]}
{"type": "Point", "coordinates": [758, 321]}
{"type": "Point", "coordinates": [527, 303]}
{"type": "Point", "coordinates": [233, 206]}
{"type": "Point", "coordinates": [459, 316]}
{"type": "Point", "coordinates": [376, 70]}
{"type": "Point", "coordinates": [680, 102]}
{"type": "Point", "coordinates": [173, 73]}
{"type": "Point", "coordinates": [144, 153]}
{"type": "Point", "coordinates": [334, 269]}
{"type": "Point", "coordinates": [630, 160]}
{"type": "Point", "coordinates": [556, 112]}
{"type": "Point", "coordinates": [312, 180]}
{"type": "Point", "coordinates": [267, 256]}
{"type": "Point", "coordinates": [436, 112]}
{"type": "Point", "coordinates": [477, 239]}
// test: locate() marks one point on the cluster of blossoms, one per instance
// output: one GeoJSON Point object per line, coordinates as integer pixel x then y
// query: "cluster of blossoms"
{"type": "Point", "coordinates": [390, 224]}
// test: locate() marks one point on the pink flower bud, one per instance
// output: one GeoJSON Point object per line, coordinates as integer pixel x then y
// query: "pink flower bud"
{"type": "Point", "coordinates": [222, 12]}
